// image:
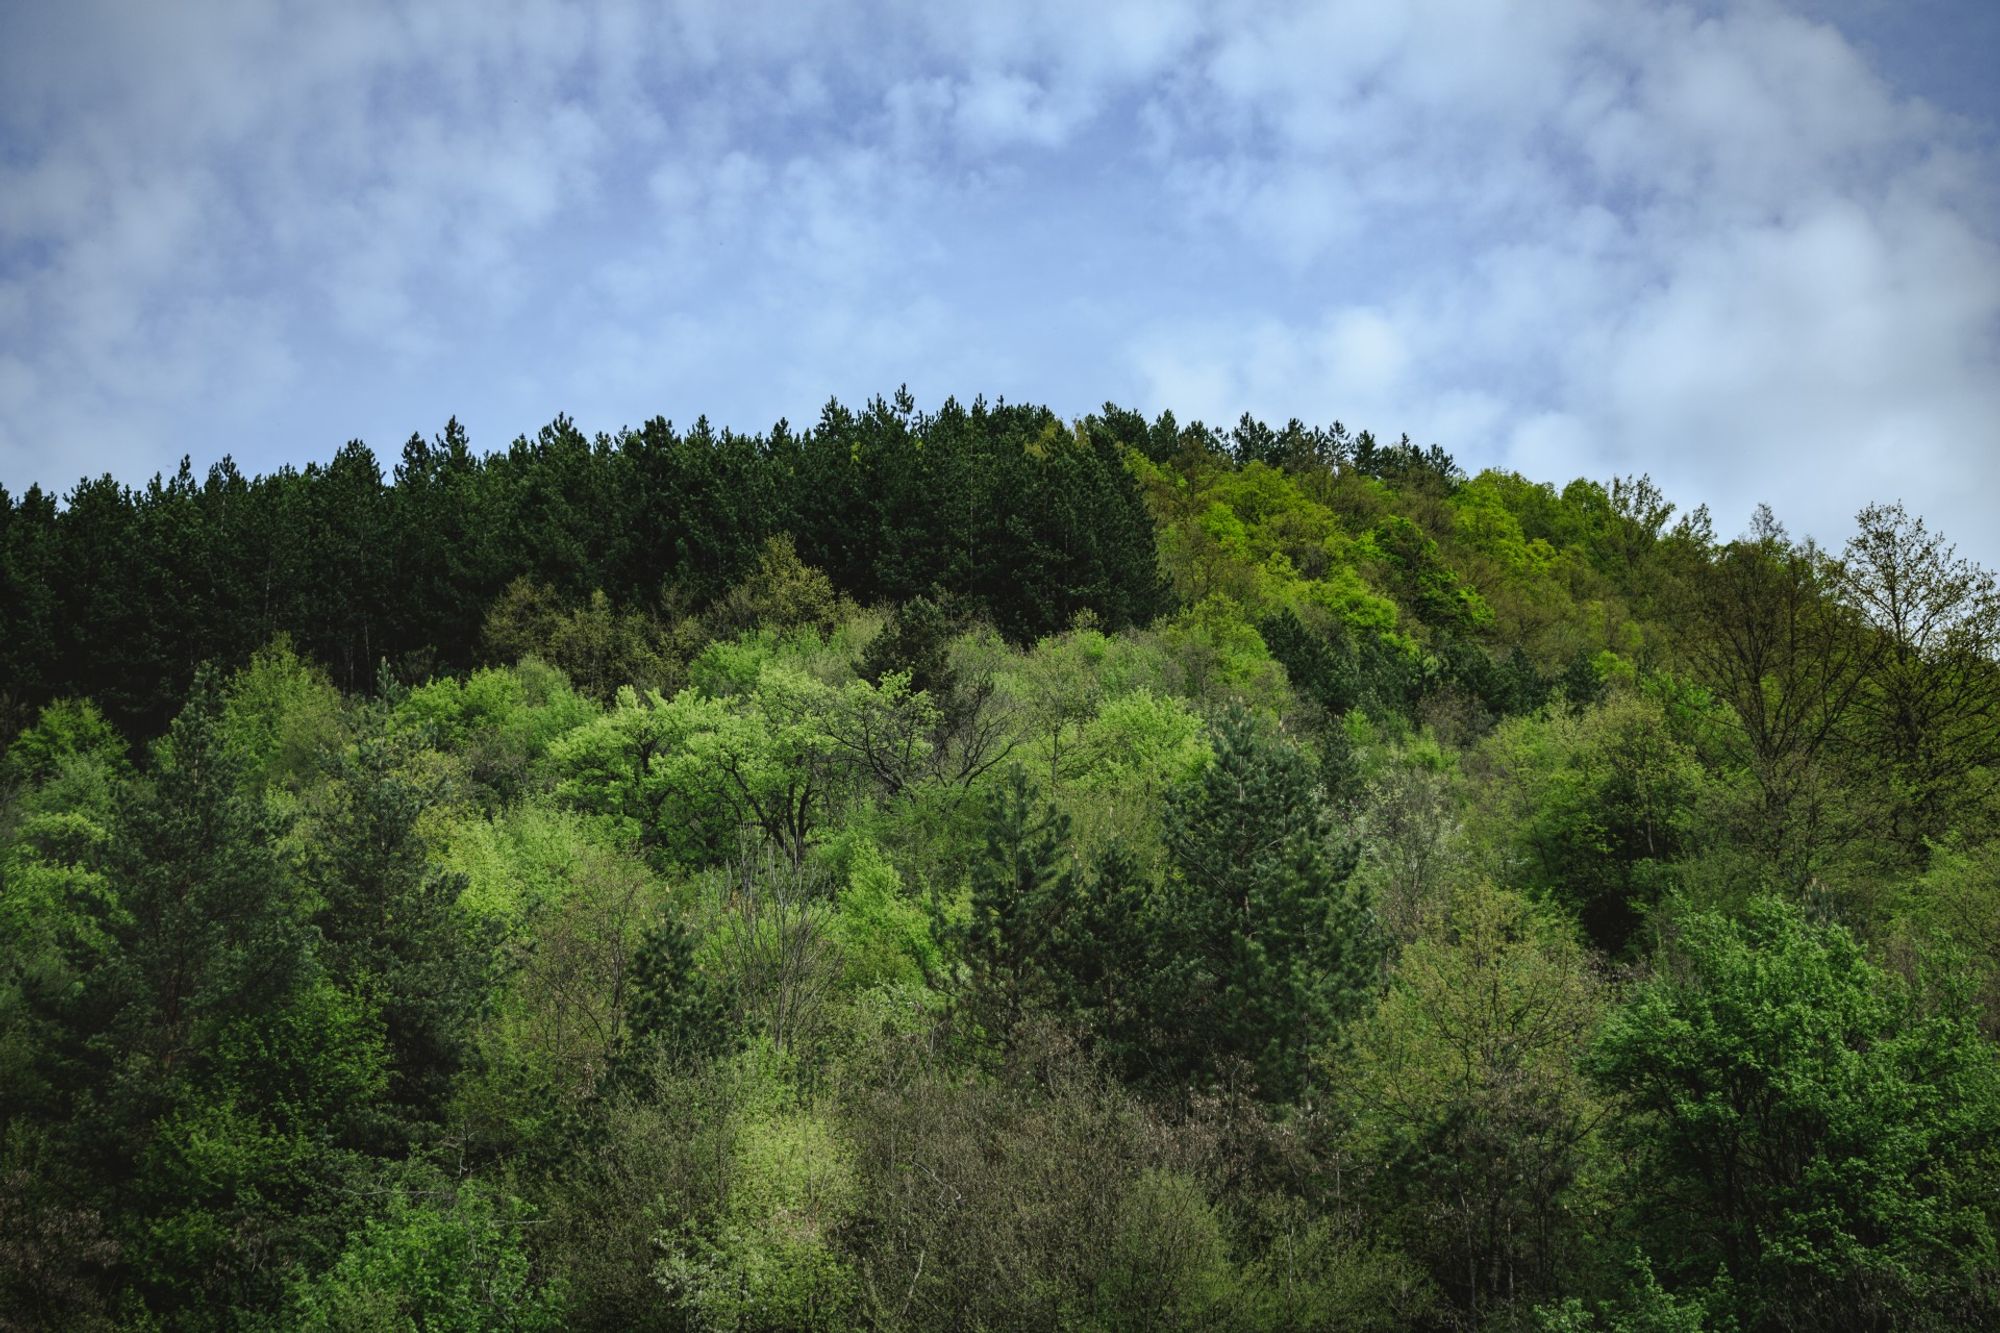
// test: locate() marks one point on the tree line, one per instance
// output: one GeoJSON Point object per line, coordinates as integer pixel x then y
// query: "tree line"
{"type": "Point", "coordinates": [119, 592]}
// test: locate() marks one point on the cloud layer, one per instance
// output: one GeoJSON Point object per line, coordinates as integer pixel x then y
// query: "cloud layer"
{"type": "Point", "coordinates": [1569, 236]}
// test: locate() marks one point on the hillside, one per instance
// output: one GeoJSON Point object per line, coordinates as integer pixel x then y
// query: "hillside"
{"type": "Point", "coordinates": [977, 869]}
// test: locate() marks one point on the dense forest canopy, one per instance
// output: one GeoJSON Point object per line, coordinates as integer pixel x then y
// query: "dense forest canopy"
{"type": "Point", "coordinates": [974, 869]}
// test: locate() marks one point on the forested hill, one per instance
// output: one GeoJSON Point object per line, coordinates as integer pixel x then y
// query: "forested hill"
{"type": "Point", "coordinates": [975, 869]}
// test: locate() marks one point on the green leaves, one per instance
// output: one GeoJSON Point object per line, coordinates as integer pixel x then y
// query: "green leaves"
{"type": "Point", "coordinates": [1256, 932]}
{"type": "Point", "coordinates": [1464, 1089]}
{"type": "Point", "coordinates": [1799, 1123]}
{"type": "Point", "coordinates": [445, 1256]}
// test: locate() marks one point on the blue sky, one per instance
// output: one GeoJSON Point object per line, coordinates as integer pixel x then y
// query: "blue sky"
{"type": "Point", "coordinates": [1750, 248]}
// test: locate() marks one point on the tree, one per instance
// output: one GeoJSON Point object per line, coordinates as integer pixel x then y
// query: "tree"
{"type": "Point", "coordinates": [1601, 806]}
{"type": "Point", "coordinates": [1021, 888]}
{"type": "Point", "coordinates": [211, 931]}
{"type": "Point", "coordinates": [672, 1011]}
{"type": "Point", "coordinates": [1930, 707]}
{"type": "Point", "coordinates": [1798, 1121]}
{"type": "Point", "coordinates": [391, 927]}
{"type": "Point", "coordinates": [1761, 622]}
{"type": "Point", "coordinates": [442, 1256]}
{"type": "Point", "coordinates": [231, 1072]}
{"type": "Point", "coordinates": [1466, 1092]}
{"type": "Point", "coordinates": [1258, 937]}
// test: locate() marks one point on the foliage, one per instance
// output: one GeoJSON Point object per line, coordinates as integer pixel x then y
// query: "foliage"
{"type": "Point", "coordinates": [445, 1256]}
{"type": "Point", "coordinates": [1465, 1086]}
{"type": "Point", "coordinates": [1599, 808]}
{"type": "Point", "coordinates": [1258, 937]}
{"type": "Point", "coordinates": [1807, 1126]}
{"type": "Point", "coordinates": [973, 869]}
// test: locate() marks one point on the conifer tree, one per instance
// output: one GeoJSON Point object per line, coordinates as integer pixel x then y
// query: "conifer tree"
{"type": "Point", "coordinates": [1259, 935]}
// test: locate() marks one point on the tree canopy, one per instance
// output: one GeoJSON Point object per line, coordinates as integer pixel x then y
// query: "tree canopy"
{"type": "Point", "coordinates": [976, 869]}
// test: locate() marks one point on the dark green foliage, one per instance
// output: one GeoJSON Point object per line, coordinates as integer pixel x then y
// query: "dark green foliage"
{"type": "Point", "coordinates": [1503, 688]}
{"type": "Point", "coordinates": [1611, 815]}
{"type": "Point", "coordinates": [55, 1253]}
{"type": "Point", "coordinates": [223, 1071]}
{"type": "Point", "coordinates": [1005, 508]}
{"type": "Point", "coordinates": [1422, 580]}
{"type": "Point", "coordinates": [1927, 712]}
{"type": "Point", "coordinates": [673, 1014]}
{"type": "Point", "coordinates": [1261, 945]}
{"type": "Point", "coordinates": [1425, 471]}
{"type": "Point", "coordinates": [211, 931]}
{"type": "Point", "coordinates": [1580, 683]}
{"type": "Point", "coordinates": [1322, 672]}
{"type": "Point", "coordinates": [916, 639]}
{"type": "Point", "coordinates": [1021, 895]}
{"type": "Point", "coordinates": [392, 932]}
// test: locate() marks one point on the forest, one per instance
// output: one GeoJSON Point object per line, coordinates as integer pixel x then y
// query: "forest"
{"type": "Point", "coordinates": [976, 869]}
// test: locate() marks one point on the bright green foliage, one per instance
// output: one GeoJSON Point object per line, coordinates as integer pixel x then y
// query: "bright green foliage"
{"type": "Point", "coordinates": [778, 767]}
{"type": "Point", "coordinates": [66, 730]}
{"type": "Point", "coordinates": [1955, 907]}
{"type": "Point", "coordinates": [1222, 655]}
{"type": "Point", "coordinates": [521, 862]}
{"type": "Point", "coordinates": [1808, 1126]}
{"type": "Point", "coordinates": [281, 715]}
{"type": "Point", "coordinates": [501, 720]}
{"type": "Point", "coordinates": [573, 914]}
{"type": "Point", "coordinates": [449, 1256]}
{"type": "Point", "coordinates": [1646, 1308]}
{"type": "Point", "coordinates": [57, 907]}
{"type": "Point", "coordinates": [771, 1260]}
{"type": "Point", "coordinates": [1258, 939]}
{"type": "Point", "coordinates": [884, 936]}
{"type": "Point", "coordinates": [780, 756]}
{"type": "Point", "coordinates": [1423, 581]}
{"type": "Point", "coordinates": [1123, 761]}
{"type": "Point", "coordinates": [622, 768]}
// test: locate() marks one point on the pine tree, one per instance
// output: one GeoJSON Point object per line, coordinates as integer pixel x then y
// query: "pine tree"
{"type": "Point", "coordinates": [672, 1012]}
{"type": "Point", "coordinates": [392, 929]}
{"type": "Point", "coordinates": [1265, 947]}
{"type": "Point", "coordinates": [1020, 890]}
{"type": "Point", "coordinates": [211, 933]}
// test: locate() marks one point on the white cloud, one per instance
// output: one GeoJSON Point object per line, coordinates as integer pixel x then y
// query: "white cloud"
{"type": "Point", "coordinates": [1568, 235]}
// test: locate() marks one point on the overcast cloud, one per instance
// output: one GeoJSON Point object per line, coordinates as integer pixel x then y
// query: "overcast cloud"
{"type": "Point", "coordinates": [1751, 249]}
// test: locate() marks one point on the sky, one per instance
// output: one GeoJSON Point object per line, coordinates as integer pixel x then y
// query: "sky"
{"type": "Point", "coordinates": [1751, 249]}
